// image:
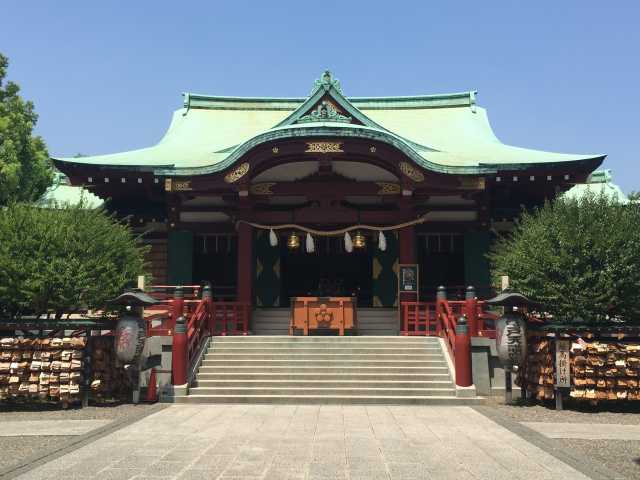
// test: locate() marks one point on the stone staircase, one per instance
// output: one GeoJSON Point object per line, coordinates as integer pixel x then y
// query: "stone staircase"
{"type": "Point", "coordinates": [371, 321]}
{"type": "Point", "coordinates": [324, 370]}
{"type": "Point", "coordinates": [271, 321]}
{"type": "Point", "coordinates": [378, 321]}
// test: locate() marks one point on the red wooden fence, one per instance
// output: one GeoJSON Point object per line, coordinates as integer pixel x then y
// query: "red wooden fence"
{"type": "Point", "coordinates": [441, 318]}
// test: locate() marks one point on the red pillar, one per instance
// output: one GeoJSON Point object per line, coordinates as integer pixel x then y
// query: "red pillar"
{"type": "Point", "coordinates": [177, 306]}
{"type": "Point", "coordinates": [179, 353]}
{"type": "Point", "coordinates": [245, 265]}
{"type": "Point", "coordinates": [471, 306]}
{"type": "Point", "coordinates": [407, 254]}
{"type": "Point", "coordinates": [462, 354]}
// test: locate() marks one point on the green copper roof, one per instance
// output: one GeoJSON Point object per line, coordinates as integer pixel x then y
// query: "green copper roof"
{"type": "Point", "coordinates": [598, 183]}
{"type": "Point", "coordinates": [444, 133]}
{"type": "Point", "coordinates": [62, 193]}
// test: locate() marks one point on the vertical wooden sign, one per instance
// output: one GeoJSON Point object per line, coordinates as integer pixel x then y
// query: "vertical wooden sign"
{"type": "Point", "coordinates": [563, 364]}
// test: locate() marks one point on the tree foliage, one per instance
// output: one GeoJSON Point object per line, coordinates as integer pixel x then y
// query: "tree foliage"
{"type": "Point", "coordinates": [580, 258]}
{"type": "Point", "coordinates": [634, 196]}
{"type": "Point", "coordinates": [62, 260]}
{"type": "Point", "coordinates": [25, 168]}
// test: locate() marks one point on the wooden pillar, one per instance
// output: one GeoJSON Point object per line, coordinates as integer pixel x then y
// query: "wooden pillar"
{"type": "Point", "coordinates": [407, 245]}
{"type": "Point", "coordinates": [245, 264]}
{"type": "Point", "coordinates": [407, 254]}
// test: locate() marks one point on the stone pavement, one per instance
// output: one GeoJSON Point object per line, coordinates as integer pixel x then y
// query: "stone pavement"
{"type": "Point", "coordinates": [280, 442]}
{"type": "Point", "coordinates": [22, 428]}
{"type": "Point", "coordinates": [586, 431]}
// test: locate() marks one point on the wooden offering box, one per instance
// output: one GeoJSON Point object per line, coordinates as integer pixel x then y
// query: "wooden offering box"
{"type": "Point", "coordinates": [322, 313]}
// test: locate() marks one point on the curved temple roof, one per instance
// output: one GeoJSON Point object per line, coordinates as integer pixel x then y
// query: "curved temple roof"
{"type": "Point", "coordinates": [444, 133]}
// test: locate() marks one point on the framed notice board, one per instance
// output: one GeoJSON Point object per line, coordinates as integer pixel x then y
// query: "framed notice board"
{"type": "Point", "coordinates": [408, 278]}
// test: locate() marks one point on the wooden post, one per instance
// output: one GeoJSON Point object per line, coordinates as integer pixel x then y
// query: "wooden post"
{"type": "Point", "coordinates": [179, 352]}
{"type": "Point", "coordinates": [245, 264]}
{"type": "Point", "coordinates": [471, 305]}
{"type": "Point", "coordinates": [441, 296]}
{"type": "Point", "coordinates": [177, 307]}
{"type": "Point", "coordinates": [463, 354]}
{"type": "Point", "coordinates": [141, 282]}
{"type": "Point", "coordinates": [406, 255]}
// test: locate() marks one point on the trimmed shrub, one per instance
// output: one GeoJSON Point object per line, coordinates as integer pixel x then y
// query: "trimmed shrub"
{"type": "Point", "coordinates": [580, 258]}
{"type": "Point", "coordinates": [61, 260]}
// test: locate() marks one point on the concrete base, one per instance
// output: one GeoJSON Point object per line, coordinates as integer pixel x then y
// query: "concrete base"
{"type": "Point", "coordinates": [487, 372]}
{"type": "Point", "coordinates": [466, 392]}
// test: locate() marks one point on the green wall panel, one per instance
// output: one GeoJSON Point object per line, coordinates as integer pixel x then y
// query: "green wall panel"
{"type": "Point", "coordinates": [267, 286]}
{"type": "Point", "coordinates": [385, 273]}
{"type": "Point", "coordinates": [476, 265]}
{"type": "Point", "coordinates": [180, 261]}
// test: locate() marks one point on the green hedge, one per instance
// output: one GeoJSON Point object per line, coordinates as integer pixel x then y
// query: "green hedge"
{"type": "Point", "coordinates": [60, 260]}
{"type": "Point", "coordinates": [580, 258]}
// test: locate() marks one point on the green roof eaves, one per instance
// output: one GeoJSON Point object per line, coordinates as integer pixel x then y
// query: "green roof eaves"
{"type": "Point", "coordinates": [342, 131]}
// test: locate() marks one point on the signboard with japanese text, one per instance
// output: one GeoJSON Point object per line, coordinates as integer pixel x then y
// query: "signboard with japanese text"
{"type": "Point", "coordinates": [563, 365]}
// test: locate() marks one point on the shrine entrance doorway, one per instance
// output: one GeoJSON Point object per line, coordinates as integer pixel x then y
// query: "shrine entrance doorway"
{"type": "Point", "coordinates": [330, 271]}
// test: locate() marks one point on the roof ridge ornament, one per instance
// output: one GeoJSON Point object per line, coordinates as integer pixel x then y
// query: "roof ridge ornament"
{"type": "Point", "coordinates": [326, 81]}
{"type": "Point", "coordinates": [325, 111]}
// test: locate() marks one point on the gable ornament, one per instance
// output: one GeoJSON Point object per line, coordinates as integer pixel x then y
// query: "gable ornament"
{"type": "Point", "coordinates": [325, 111]}
{"type": "Point", "coordinates": [327, 81]}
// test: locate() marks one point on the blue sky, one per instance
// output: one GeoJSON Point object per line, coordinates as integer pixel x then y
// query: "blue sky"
{"type": "Point", "coordinates": [555, 75]}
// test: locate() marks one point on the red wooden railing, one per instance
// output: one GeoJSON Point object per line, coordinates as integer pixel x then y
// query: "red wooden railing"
{"type": "Point", "coordinates": [230, 318]}
{"type": "Point", "coordinates": [190, 321]}
{"type": "Point", "coordinates": [441, 318]}
{"type": "Point", "coordinates": [198, 327]}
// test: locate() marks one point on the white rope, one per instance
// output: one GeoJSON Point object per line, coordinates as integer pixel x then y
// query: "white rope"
{"type": "Point", "coordinates": [332, 233]}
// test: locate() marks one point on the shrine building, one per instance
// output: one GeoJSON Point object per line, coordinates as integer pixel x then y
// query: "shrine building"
{"type": "Point", "coordinates": [273, 198]}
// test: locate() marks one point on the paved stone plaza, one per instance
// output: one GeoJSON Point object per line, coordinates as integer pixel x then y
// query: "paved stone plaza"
{"type": "Point", "coordinates": [309, 442]}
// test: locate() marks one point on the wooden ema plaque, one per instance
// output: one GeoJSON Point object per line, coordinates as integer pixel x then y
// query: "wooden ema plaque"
{"type": "Point", "coordinates": [322, 313]}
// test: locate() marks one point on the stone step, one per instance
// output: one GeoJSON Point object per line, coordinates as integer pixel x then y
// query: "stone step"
{"type": "Point", "coordinates": [328, 377]}
{"type": "Point", "coordinates": [324, 384]}
{"type": "Point", "coordinates": [314, 369]}
{"type": "Point", "coordinates": [324, 348]}
{"type": "Point", "coordinates": [328, 400]}
{"type": "Point", "coordinates": [347, 357]}
{"type": "Point", "coordinates": [336, 364]}
{"type": "Point", "coordinates": [309, 391]}
{"type": "Point", "coordinates": [349, 341]}
{"type": "Point", "coordinates": [299, 338]}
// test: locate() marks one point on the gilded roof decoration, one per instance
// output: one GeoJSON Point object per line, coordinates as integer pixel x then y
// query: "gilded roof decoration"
{"type": "Point", "coordinates": [324, 112]}
{"type": "Point", "coordinates": [324, 147]}
{"type": "Point", "coordinates": [262, 188]}
{"type": "Point", "coordinates": [388, 188]}
{"type": "Point", "coordinates": [411, 172]}
{"type": "Point", "coordinates": [237, 174]}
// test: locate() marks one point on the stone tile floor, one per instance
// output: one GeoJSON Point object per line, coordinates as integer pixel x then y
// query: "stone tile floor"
{"type": "Point", "coordinates": [30, 428]}
{"type": "Point", "coordinates": [309, 442]}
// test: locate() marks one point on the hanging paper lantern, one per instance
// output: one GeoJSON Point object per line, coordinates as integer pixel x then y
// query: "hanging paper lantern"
{"type": "Point", "coordinates": [382, 241]}
{"type": "Point", "coordinates": [273, 238]}
{"type": "Point", "coordinates": [348, 244]}
{"type": "Point", "coordinates": [359, 241]}
{"type": "Point", "coordinates": [310, 245]}
{"type": "Point", "coordinates": [294, 241]}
